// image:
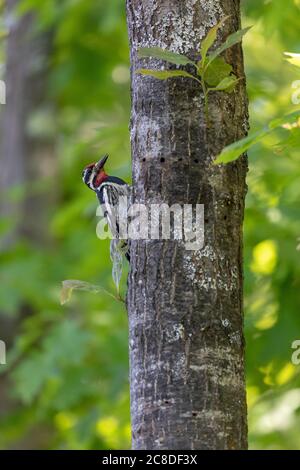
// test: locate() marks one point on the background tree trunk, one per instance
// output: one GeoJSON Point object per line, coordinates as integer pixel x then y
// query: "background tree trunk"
{"type": "Point", "coordinates": [25, 160]}
{"type": "Point", "coordinates": [185, 307]}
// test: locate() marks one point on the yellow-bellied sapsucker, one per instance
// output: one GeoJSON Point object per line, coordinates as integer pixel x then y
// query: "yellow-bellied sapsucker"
{"type": "Point", "coordinates": [112, 193]}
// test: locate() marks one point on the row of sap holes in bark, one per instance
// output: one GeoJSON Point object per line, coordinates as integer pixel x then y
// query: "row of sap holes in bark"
{"type": "Point", "coordinates": [162, 160]}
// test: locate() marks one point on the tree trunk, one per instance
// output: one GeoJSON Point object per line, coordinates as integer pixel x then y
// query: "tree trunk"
{"type": "Point", "coordinates": [186, 307]}
{"type": "Point", "coordinates": [25, 159]}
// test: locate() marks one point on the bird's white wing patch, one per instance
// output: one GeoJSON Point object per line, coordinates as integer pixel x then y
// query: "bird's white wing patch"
{"type": "Point", "coordinates": [116, 201]}
{"type": "Point", "coordinates": [117, 262]}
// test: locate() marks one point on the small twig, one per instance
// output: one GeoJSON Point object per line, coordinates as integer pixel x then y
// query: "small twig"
{"type": "Point", "coordinates": [69, 285]}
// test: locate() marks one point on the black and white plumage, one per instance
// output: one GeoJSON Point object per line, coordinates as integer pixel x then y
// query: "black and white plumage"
{"type": "Point", "coordinates": [114, 195]}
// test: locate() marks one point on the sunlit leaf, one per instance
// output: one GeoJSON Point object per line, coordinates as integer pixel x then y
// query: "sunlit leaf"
{"type": "Point", "coordinates": [264, 257]}
{"type": "Point", "coordinates": [268, 319]}
{"type": "Point", "coordinates": [292, 141]}
{"type": "Point", "coordinates": [286, 374]}
{"type": "Point", "coordinates": [293, 58]}
{"type": "Point", "coordinates": [227, 84]}
{"type": "Point", "coordinates": [233, 39]}
{"type": "Point", "coordinates": [164, 74]}
{"type": "Point", "coordinates": [285, 121]}
{"type": "Point", "coordinates": [162, 54]}
{"type": "Point", "coordinates": [233, 151]}
{"type": "Point", "coordinates": [210, 38]}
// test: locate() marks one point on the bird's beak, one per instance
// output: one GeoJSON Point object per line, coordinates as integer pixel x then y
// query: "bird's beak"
{"type": "Point", "coordinates": [100, 164]}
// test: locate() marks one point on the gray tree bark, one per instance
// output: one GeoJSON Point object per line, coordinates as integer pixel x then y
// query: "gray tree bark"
{"type": "Point", "coordinates": [186, 307]}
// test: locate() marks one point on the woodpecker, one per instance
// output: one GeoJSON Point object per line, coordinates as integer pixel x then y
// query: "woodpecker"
{"type": "Point", "coordinates": [109, 190]}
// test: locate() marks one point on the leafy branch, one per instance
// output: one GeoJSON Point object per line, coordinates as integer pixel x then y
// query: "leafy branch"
{"type": "Point", "coordinates": [116, 256]}
{"type": "Point", "coordinates": [213, 73]}
{"type": "Point", "coordinates": [289, 122]}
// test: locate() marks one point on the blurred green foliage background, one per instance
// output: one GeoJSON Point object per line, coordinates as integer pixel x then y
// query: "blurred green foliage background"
{"type": "Point", "coordinates": [65, 384]}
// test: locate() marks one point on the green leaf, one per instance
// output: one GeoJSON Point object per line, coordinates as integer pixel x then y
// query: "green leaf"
{"type": "Point", "coordinates": [233, 151]}
{"type": "Point", "coordinates": [169, 56]}
{"type": "Point", "coordinates": [217, 71]}
{"type": "Point", "coordinates": [292, 58]}
{"type": "Point", "coordinates": [227, 84]}
{"type": "Point", "coordinates": [210, 38]}
{"type": "Point", "coordinates": [291, 141]}
{"type": "Point", "coordinates": [65, 345]}
{"type": "Point", "coordinates": [232, 39]}
{"type": "Point", "coordinates": [164, 74]}
{"type": "Point", "coordinates": [287, 120]}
